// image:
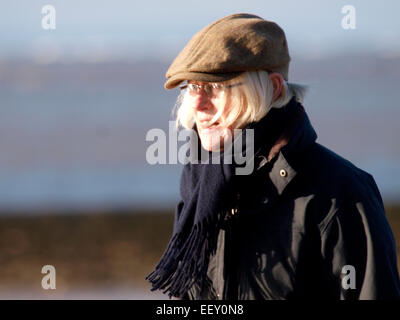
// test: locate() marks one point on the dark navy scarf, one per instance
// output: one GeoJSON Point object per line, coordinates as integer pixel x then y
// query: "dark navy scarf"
{"type": "Point", "coordinates": [206, 192]}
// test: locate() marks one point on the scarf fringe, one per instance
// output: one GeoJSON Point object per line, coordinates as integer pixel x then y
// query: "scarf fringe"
{"type": "Point", "coordinates": [175, 274]}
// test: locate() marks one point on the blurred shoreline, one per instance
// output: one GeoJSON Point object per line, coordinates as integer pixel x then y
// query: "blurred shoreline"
{"type": "Point", "coordinates": [103, 254]}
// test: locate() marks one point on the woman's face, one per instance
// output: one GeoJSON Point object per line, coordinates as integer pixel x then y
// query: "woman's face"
{"type": "Point", "coordinates": [207, 102]}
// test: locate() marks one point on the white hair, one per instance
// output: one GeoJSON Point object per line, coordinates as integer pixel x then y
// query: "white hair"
{"type": "Point", "coordinates": [249, 102]}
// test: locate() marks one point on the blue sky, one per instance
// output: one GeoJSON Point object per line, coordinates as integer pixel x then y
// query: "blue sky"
{"type": "Point", "coordinates": [152, 28]}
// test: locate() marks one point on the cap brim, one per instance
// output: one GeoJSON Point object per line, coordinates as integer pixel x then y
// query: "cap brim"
{"type": "Point", "coordinates": [176, 79]}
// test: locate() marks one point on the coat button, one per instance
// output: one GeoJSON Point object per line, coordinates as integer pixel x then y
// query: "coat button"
{"type": "Point", "coordinates": [283, 173]}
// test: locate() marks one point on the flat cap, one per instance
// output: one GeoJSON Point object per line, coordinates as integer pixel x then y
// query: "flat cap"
{"type": "Point", "coordinates": [229, 46]}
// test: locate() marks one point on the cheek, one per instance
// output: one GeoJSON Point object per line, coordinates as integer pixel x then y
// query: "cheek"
{"type": "Point", "coordinates": [225, 105]}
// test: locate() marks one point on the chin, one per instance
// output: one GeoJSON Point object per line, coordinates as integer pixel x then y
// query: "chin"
{"type": "Point", "coordinates": [212, 142]}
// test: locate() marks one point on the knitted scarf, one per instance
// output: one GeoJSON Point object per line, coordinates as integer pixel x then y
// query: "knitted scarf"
{"type": "Point", "coordinates": [207, 194]}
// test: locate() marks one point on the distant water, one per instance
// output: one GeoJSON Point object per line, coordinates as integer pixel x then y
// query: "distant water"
{"type": "Point", "coordinates": [125, 187]}
{"type": "Point", "coordinates": [84, 145]}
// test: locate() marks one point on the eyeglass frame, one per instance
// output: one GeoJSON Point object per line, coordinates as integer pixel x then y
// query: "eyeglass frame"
{"type": "Point", "coordinates": [213, 85]}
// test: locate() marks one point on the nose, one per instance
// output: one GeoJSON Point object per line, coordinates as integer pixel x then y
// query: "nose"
{"type": "Point", "coordinates": [201, 101]}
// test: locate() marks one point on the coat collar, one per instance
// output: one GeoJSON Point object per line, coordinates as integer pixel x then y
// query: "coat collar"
{"type": "Point", "coordinates": [285, 156]}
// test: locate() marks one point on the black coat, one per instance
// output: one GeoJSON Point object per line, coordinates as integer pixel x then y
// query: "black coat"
{"type": "Point", "coordinates": [299, 224]}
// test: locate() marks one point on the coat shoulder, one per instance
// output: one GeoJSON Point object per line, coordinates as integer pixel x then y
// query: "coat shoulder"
{"type": "Point", "coordinates": [336, 176]}
{"type": "Point", "coordinates": [336, 184]}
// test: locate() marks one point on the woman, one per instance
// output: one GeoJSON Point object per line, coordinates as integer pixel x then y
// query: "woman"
{"type": "Point", "coordinates": [305, 223]}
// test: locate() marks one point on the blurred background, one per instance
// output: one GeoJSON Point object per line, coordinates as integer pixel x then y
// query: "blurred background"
{"type": "Point", "coordinates": [77, 101]}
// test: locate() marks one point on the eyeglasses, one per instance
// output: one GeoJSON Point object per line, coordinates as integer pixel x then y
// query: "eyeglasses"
{"type": "Point", "coordinates": [211, 89]}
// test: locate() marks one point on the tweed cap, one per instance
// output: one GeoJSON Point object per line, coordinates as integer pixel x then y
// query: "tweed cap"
{"type": "Point", "coordinates": [229, 46]}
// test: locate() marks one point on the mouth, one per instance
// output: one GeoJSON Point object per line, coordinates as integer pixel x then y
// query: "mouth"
{"type": "Point", "coordinates": [204, 125]}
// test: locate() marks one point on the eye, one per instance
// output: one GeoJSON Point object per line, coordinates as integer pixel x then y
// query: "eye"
{"type": "Point", "coordinates": [192, 86]}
